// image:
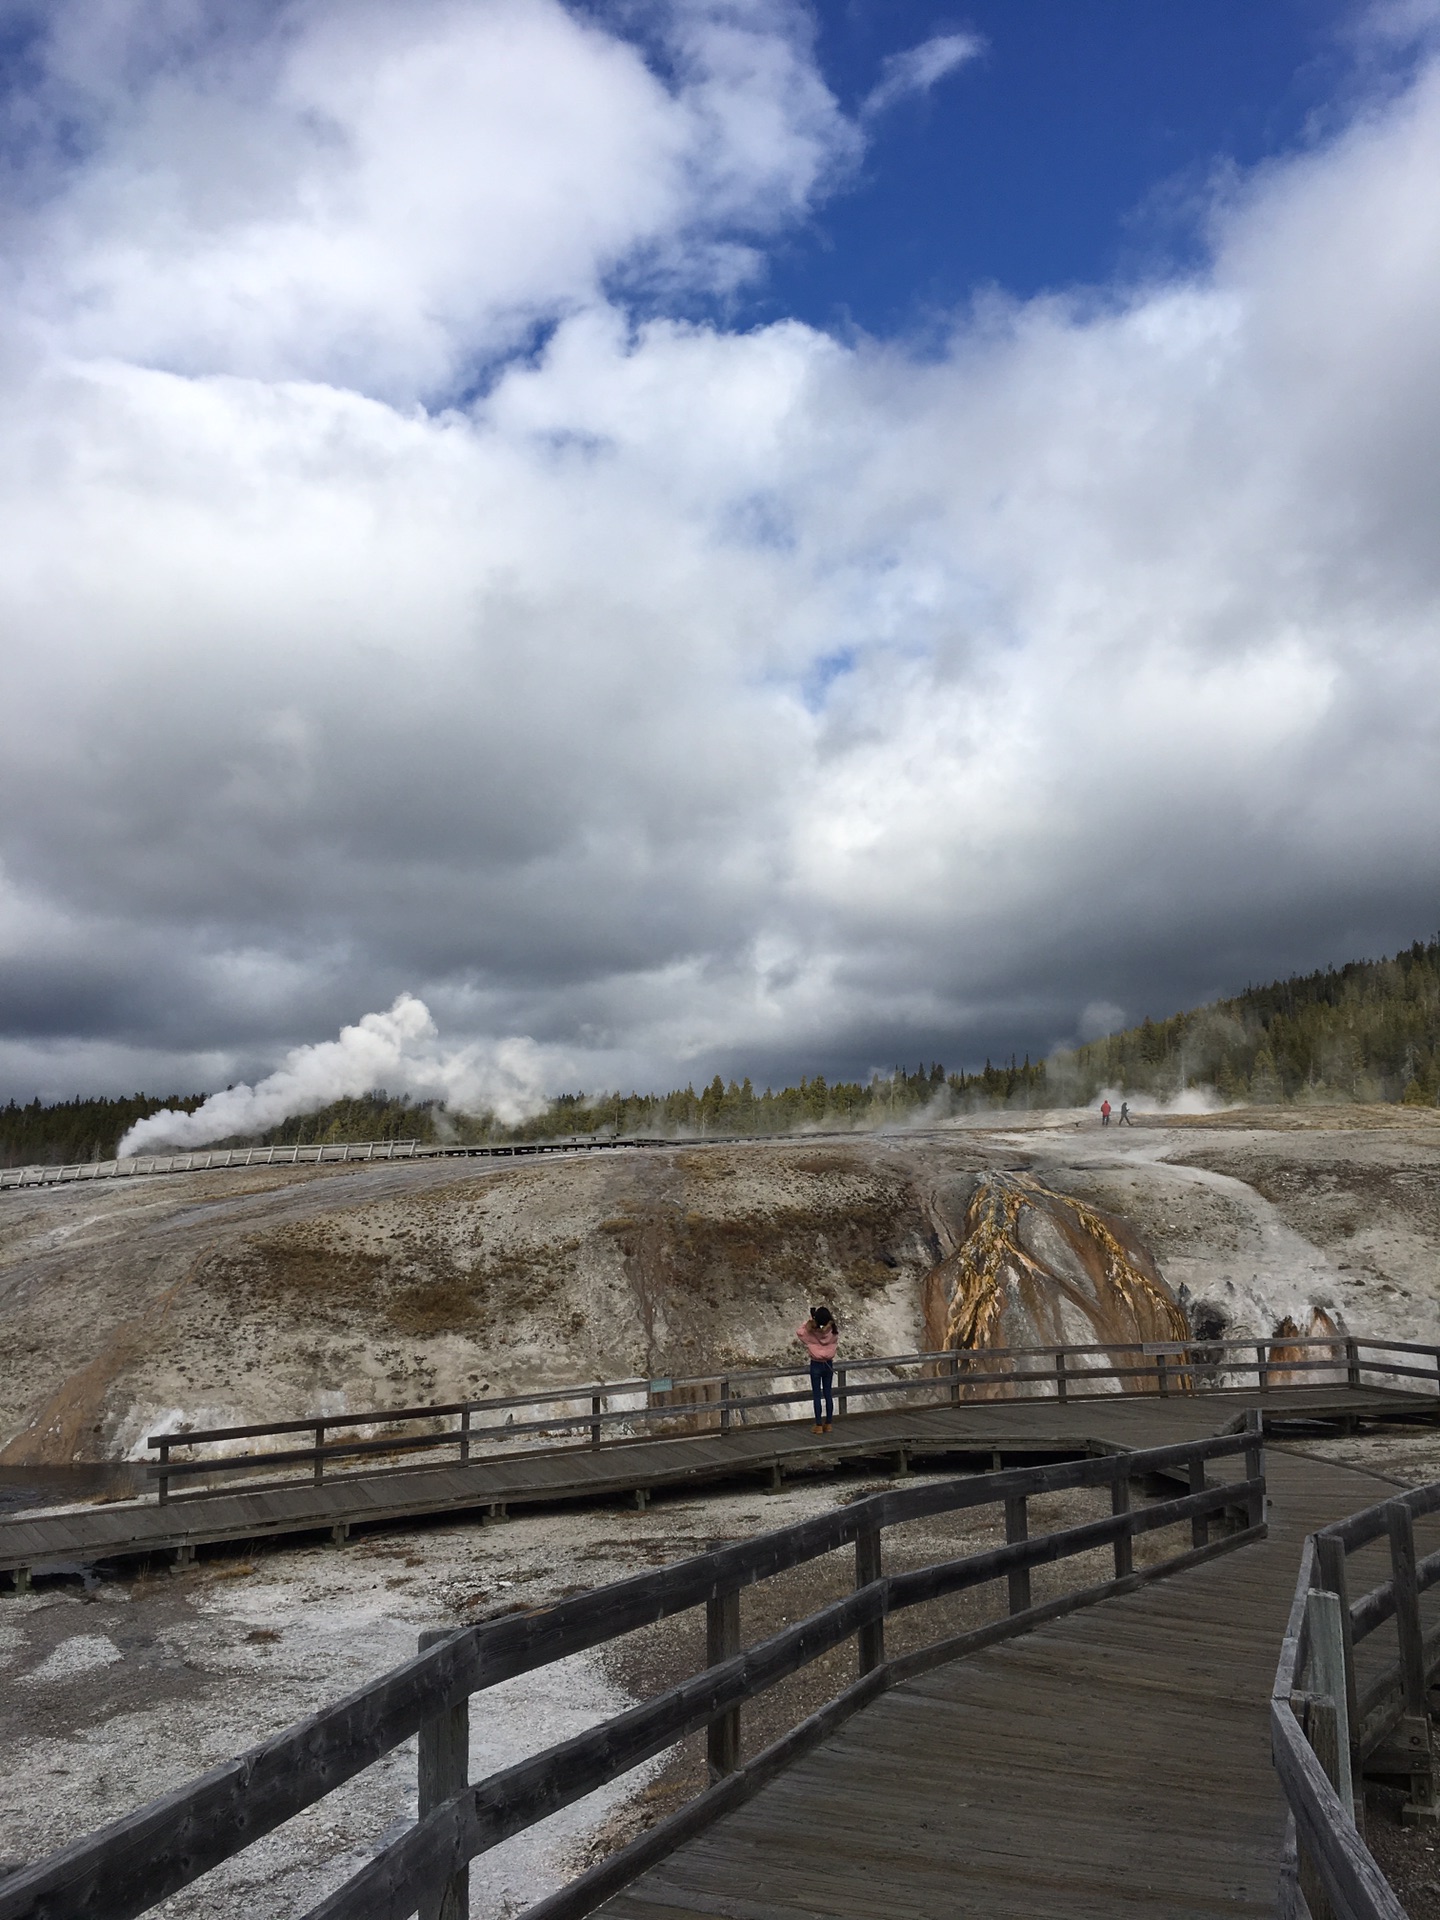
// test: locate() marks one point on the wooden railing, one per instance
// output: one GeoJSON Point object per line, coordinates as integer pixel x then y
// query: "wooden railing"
{"type": "Point", "coordinates": [617, 1412]}
{"type": "Point", "coordinates": [210, 1159]}
{"type": "Point", "coordinates": [1335, 1718]}
{"type": "Point", "coordinates": [142, 1859]}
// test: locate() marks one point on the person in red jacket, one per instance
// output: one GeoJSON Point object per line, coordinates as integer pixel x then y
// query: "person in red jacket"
{"type": "Point", "coordinates": [1104, 1113]}
{"type": "Point", "coordinates": [820, 1335]}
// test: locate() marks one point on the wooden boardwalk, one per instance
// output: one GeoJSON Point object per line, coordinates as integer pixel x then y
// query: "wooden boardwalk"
{"type": "Point", "coordinates": [969, 1435]}
{"type": "Point", "coordinates": [1116, 1762]}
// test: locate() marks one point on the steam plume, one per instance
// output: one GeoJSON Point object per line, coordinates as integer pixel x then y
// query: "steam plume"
{"type": "Point", "coordinates": [399, 1049]}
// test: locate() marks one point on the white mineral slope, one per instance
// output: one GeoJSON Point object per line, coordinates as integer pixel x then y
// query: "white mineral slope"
{"type": "Point", "coordinates": [212, 1299]}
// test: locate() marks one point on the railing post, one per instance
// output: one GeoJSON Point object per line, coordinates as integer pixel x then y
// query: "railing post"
{"type": "Point", "coordinates": [1321, 1724]}
{"type": "Point", "coordinates": [444, 1764]}
{"type": "Point", "coordinates": [319, 1457]}
{"type": "Point", "coordinates": [1262, 1365]}
{"type": "Point", "coordinates": [1415, 1727]}
{"type": "Point", "coordinates": [1334, 1578]}
{"type": "Point", "coordinates": [1120, 1503]}
{"type": "Point", "coordinates": [1254, 1466]}
{"type": "Point", "coordinates": [162, 1493]}
{"type": "Point", "coordinates": [724, 1406]}
{"type": "Point", "coordinates": [596, 1406]}
{"type": "Point", "coordinates": [1061, 1384]}
{"type": "Point", "coordinates": [1199, 1522]}
{"type": "Point", "coordinates": [955, 1378]}
{"type": "Point", "coordinates": [465, 1436]}
{"type": "Point", "coordinates": [870, 1565]}
{"type": "Point", "coordinates": [1017, 1527]}
{"type": "Point", "coordinates": [842, 1397]}
{"type": "Point", "coordinates": [1162, 1376]}
{"type": "Point", "coordinates": [1326, 1678]}
{"type": "Point", "coordinates": [1352, 1363]}
{"type": "Point", "coordinates": [722, 1642]}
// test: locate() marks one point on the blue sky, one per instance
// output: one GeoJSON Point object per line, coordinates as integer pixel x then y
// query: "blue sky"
{"type": "Point", "coordinates": [705, 537]}
{"type": "Point", "coordinates": [1077, 148]}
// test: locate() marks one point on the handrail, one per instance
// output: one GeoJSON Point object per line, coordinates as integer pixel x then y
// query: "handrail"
{"type": "Point", "coordinates": [607, 1413]}
{"type": "Point", "coordinates": [331, 1152]}
{"type": "Point", "coordinates": [142, 1859]}
{"type": "Point", "coordinates": [1326, 1727]}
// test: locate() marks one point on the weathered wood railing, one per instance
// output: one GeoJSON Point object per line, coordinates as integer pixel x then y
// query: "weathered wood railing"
{"type": "Point", "coordinates": [1335, 1718]}
{"type": "Point", "coordinates": [617, 1412]}
{"type": "Point", "coordinates": [142, 1859]}
{"type": "Point", "coordinates": [326, 1152]}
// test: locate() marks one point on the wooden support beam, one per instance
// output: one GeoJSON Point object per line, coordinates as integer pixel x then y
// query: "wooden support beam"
{"type": "Point", "coordinates": [1322, 1730]}
{"type": "Point", "coordinates": [722, 1642]}
{"type": "Point", "coordinates": [1325, 1679]}
{"type": "Point", "coordinates": [1120, 1503]}
{"type": "Point", "coordinates": [1400, 1525]}
{"type": "Point", "coordinates": [1330, 1566]}
{"type": "Point", "coordinates": [444, 1766]}
{"type": "Point", "coordinates": [870, 1566]}
{"type": "Point", "coordinates": [1255, 1464]}
{"type": "Point", "coordinates": [1199, 1523]}
{"type": "Point", "coordinates": [1017, 1527]}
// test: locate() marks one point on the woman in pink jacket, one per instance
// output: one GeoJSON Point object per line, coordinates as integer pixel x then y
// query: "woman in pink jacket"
{"type": "Point", "coordinates": [820, 1336]}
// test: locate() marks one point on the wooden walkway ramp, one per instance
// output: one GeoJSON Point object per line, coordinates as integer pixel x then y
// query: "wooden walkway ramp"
{"type": "Point", "coordinates": [968, 1434]}
{"type": "Point", "coordinates": [1115, 1763]}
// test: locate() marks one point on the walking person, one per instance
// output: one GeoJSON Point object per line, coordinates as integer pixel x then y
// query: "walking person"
{"type": "Point", "coordinates": [820, 1335]}
{"type": "Point", "coordinates": [1104, 1113]}
{"type": "Point", "coordinates": [1125, 1120]}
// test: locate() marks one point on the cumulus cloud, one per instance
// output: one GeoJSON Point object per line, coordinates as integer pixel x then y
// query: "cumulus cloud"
{"type": "Point", "coordinates": [680, 696]}
{"type": "Point", "coordinates": [399, 1050]}
{"type": "Point", "coordinates": [389, 197]}
{"type": "Point", "coordinates": [920, 68]}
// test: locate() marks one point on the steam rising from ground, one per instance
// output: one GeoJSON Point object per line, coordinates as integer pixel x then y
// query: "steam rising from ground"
{"type": "Point", "coordinates": [399, 1050]}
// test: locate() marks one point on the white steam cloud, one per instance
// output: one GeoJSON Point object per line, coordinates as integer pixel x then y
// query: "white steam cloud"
{"type": "Point", "coordinates": [399, 1050]}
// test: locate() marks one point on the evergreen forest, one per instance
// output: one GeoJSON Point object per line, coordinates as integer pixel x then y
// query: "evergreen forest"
{"type": "Point", "coordinates": [1369, 1031]}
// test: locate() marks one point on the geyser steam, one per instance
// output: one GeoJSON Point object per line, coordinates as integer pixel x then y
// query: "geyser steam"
{"type": "Point", "coordinates": [399, 1049]}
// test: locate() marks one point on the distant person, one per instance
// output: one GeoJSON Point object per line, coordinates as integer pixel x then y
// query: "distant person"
{"type": "Point", "coordinates": [1125, 1120]}
{"type": "Point", "coordinates": [820, 1335]}
{"type": "Point", "coordinates": [1104, 1113]}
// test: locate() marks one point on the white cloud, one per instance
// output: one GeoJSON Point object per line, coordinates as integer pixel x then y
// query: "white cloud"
{"type": "Point", "coordinates": [918, 69]}
{"type": "Point", "coordinates": [391, 196]}
{"type": "Point", "coordinates": [695, 697]}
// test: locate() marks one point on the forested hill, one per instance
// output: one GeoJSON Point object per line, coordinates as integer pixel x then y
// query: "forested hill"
{"type": "Point", "coordinates": [1366, 1031]}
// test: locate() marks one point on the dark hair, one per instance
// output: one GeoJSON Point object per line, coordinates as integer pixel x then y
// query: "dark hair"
{"type": "Point", "coordinates": [823, 1317]}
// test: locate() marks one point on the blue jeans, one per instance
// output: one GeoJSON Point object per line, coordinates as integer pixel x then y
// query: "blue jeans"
{"type": "Point", "coordinates": [822, 1380]}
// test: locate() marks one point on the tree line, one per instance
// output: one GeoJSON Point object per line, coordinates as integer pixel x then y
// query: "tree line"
{"type": "Point", "coordinates": [1368, 1031]}
{"type": "Point", "coordinates": [92, 1129]}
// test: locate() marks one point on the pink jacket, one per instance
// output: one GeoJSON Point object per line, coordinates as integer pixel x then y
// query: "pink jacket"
{"type": "Point", "coordinates": [820, 1342]}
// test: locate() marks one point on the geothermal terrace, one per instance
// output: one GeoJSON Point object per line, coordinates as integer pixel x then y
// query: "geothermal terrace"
{"type": "Point", "coordinates": [1245, 1266]}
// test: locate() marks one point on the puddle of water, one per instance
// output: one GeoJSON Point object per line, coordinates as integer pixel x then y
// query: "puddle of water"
{"type": "Point", "coordinates": [24, 1487]}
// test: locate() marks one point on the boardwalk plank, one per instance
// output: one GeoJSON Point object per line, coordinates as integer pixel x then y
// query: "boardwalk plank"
{"type": "Point", "coordinates": [1116, 1761]}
